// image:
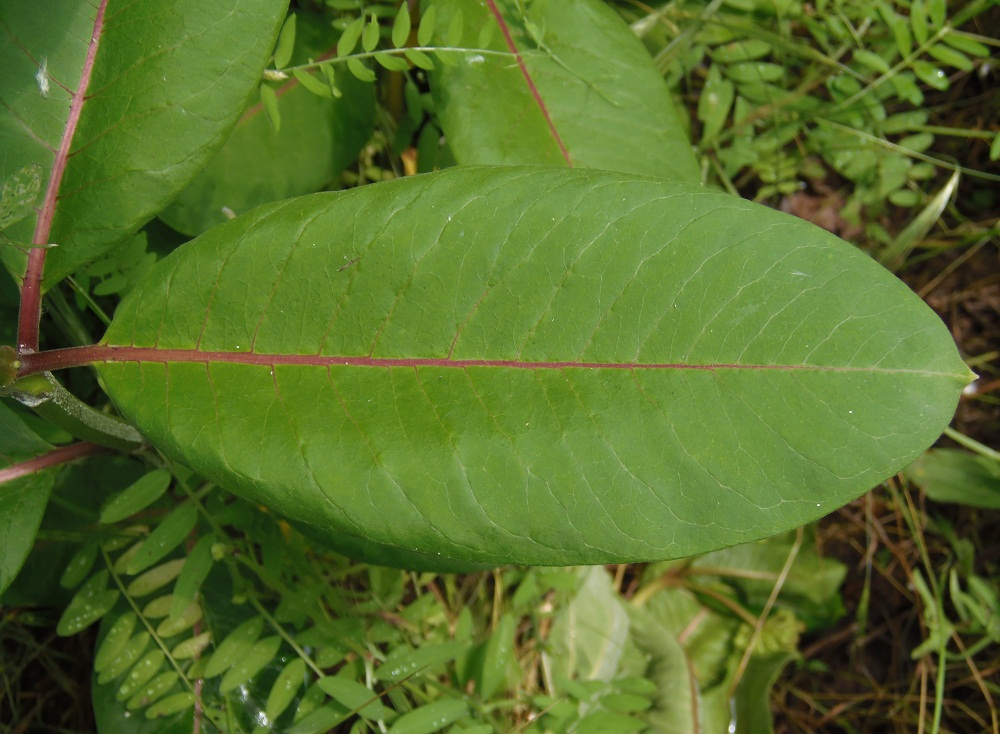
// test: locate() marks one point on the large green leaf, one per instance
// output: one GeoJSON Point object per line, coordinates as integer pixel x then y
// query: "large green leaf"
{"type": "Point", "coordinates": [317, 139]}
{"type": "Point", "coordinates": [582, 90]}
{"type": "Point", "coordinates": [154, 88]}
{"type": "Point", "coordinates": [532, 365]}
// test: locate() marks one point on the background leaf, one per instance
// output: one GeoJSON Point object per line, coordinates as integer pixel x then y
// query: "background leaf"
{"type": "Point", "coordinates": [167, 83]}
{"type": "Point", "coordinates": [317, 139]}
{"type": "Point", "coordinates": [619, 368]}
{"type": "Point", "coordinates": [591, 96]}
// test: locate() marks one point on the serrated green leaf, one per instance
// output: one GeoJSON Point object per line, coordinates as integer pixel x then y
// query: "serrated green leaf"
{"type": "Point", "coordinates": [284, 688]}
{"type": "Point", "coordinates": [269, 101]}
{"type": "Point", "coordinates": [286, 43]}
{"type": "Point", "coordinates": [137, 496]}
{"type": "Point", "coordinates": [155, 578]}
{"type": "Point", "coordinates": [429, 718]}
{"type": "Point", "coordinates": [354, 696]}
{"type": "Point", "coordinates": [250, 662]}
{"type": "Point", "coordinates": [676, 314]}
{"type": "Point", "coordinates": [161, 93]}
{"type": "Point", "coordinates": [125, 659]}
{"type": "Point", "coordinates": [401, 26]}
{"type": "Point", "coordinates": [359, 70]}
{"type": "Point", "coordinates": [93, 600]}
{"type": "Point", "coordinates": [425, 33]}
{"type": "Point", "coordinates": [234, 646]}
{"type": "Point", "coordinates": [592, 97]}
{"type": "Point", "coordinates": [349, 38]}
{"type": "Point", "coordinates": [370, 35]}
{"type": "Point", "coordinates": [170, 533]}
{"type": "Point", "coordinates": [114, 642]}
{"type": "Point", "coordinates": [194, 573]}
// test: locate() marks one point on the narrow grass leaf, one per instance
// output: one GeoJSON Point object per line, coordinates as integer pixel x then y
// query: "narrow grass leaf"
{"type": "Point", "coordinates": [895, 254]}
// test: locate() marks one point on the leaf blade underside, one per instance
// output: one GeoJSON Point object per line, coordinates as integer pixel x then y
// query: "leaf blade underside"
{"type": "Point", "coordinates": [650, 370]}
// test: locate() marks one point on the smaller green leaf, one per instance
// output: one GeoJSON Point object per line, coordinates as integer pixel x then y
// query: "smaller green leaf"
{"type": "Point", "coordinates": [349, 39]}
{"type": "Point", "coordinates": [171, 705]}
{"type": "Point", "coordinates": [132, 651]}
{"type": "Point", "coordinates": [195, 571]}
{"type": "Point", "coordinates": [166, 536]}
{"type": "Point", "coordinates": [158, 608]}
{"type": "Point", "coordinates": [714, 103]}
{"type": "Point", "coordinates": [356, 697]}
{"type": "Point", "coordinates": [419, 59]}
{"type": "Point", "coordinates": [931, 75]}
{"type": "Point", "coordinates": [114, 642]}
{"type": "Point", "coordinates": [967, 45]}
{"type": "Point", "coordinates": [269, 99]}
{"type": "Point", "coordinates": [236, 644]}
{"type": "Point", "coordinates": [184, 621]}
{"type": "Point", "coordinates": [950, 56]}
{"type": "Point", "coordinates": [401, 27]}
{"type": "Point", "coordinates": [286, 43]}
{"type": "Point", "coordinates": [995, 148]}
{"type": "Point", "coordinates": [314, 85]}
{"type": "Point", "coordinates": [456, 28]}
{"type": "Point", "coordinates": [399, 666]}
{"type": "Point", "coordinates": [425, 34]}
{"type": "Point", "coordinates": [141, 673]}
{"type": "Point", "coordinates": [918, 21]}
{"type": "Point", "coordinates": [937, 10]}
{"type": "Point", "coordinates": [20, 190]}
{"type": "Point", "coordinates": [872, 60]}
{"type": "Point", "coordinates": [744, 50]}
{"type": "Point", "coordinates": [137, 496]}
{"type": "Point", "coordinates": [254, 660]}
{"type": "Point", "coordinates": [191, 648]}
{"type": "Point", "coordinates": [485, 37]}
{"type": "Point", "coordinates": [79, 566]}
{"type": "Point", "coordinates": [155, 578]}
{"type": "Point", "coordinates": [152, 690]}
{"type": "Point", "coordinates": [430, 718]}
{"type": "Point", "coordinates": [91, 602]}
{"type": "Point", "coordinates": [750, 72]}
{"type": "Point", "coordinates": [498, 655]}
{"type": "Point", "coordinates": [359, 70]}
{"type": "Point", "coordinates": [391, 62]}
{"type": "Point", "coordinates": [370, 35]}
{"type": "Point", "coordinates": [285, 686]}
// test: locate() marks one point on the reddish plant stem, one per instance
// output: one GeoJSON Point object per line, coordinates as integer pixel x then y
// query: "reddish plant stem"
{"type": "Point", "coordinates": [512, 47]}
{"type": "Point", "coordinates": [31, 289]}
{"type": "Point", "coordinates": [61, 455]}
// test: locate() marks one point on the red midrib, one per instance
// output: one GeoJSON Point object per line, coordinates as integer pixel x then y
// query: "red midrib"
{"type": "Point", "coordinates": [79, 356]}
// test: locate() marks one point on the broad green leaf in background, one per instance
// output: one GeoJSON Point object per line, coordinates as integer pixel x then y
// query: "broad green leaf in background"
{"type": "Point", "coordinates": [950, 475]}
{"type": "Point", "coordinates": [157, 87]}
{"type": "Point", "coordinates": [532, 365]}
{"type": "Point", "coordinates": [22, 499]}
{"type": "Point", "coordinates": [318, 138]}
{"type": "Point", "coordinates": [582, 90]}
